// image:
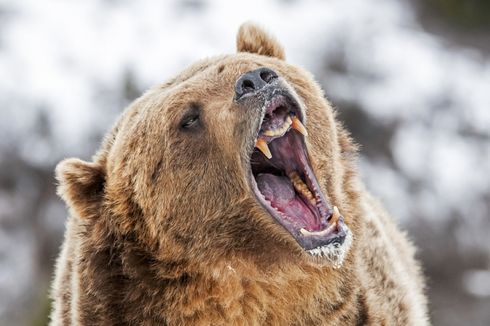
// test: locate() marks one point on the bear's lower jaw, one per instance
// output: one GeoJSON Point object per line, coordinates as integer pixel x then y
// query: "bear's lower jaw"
{"type": "Point", "coordinates": [285, 185]}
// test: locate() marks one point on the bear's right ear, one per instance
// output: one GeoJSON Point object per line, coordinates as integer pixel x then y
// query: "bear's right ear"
{"type": "Point", "coordinates": [81, 185]}
{"type": "Point", "coordinates": [253, 39]}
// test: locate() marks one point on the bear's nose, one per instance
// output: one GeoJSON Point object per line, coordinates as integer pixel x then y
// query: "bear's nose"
{"type": "Point", "coordinates": [254, 81]}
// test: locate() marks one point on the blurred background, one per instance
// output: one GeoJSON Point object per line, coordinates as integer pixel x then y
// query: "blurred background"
{"type": "Point", "coordinates": [411, 80]}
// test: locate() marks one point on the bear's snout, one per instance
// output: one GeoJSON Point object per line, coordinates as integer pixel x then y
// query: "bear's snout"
{"type": "Point", "coordinates": [253, 81]}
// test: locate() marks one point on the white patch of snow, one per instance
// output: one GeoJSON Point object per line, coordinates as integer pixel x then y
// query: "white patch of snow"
{"type": "Point", "coordinates": [477, 282]}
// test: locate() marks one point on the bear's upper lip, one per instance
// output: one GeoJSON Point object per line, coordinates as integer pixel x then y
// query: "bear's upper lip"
{"type": "Point", "coordinates": [283, 180]}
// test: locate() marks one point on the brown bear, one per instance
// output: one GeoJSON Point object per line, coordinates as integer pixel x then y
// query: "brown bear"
{"type": "Point", "coordinates": [228, 195]}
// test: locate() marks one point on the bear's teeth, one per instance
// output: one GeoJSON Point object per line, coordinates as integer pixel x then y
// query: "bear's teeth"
{"type": "Point", "coordinates": [335, 215]}
{"type": "Point", "coordinates": [263, 147]}
{"type": "Point", "coordinates": [297, 125]}
{"type": "Point", "coordinates": [326, 231]}
{"type": "Point", "coordinates": [301, 187]}
{"type": "Point", "coordinates": [331, 225]}
{"type": "Point", "coordinates": [279, 131]}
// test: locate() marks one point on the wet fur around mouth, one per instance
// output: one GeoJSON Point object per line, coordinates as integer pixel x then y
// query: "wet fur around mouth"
{"type": "Point", "coordinates": [284, 182]}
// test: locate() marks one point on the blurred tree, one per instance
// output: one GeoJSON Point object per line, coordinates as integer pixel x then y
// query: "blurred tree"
{"type": "Point", "coordinates": [465, 13]}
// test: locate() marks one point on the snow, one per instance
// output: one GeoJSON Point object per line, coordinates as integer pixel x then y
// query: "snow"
{"type": "Point", "coordinates": [477, 282]}
{"type": "Point", "coordinates": [64, 65]}
{"type": "Point", "coordinates": [64, 53]}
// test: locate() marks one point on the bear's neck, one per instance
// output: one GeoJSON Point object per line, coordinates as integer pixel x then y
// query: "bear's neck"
{"type": "Point", "coordinates": [134, 289]}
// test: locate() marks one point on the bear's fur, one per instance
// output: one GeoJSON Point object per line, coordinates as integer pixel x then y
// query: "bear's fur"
{"type": "Point", "coordinates": [165, 230]}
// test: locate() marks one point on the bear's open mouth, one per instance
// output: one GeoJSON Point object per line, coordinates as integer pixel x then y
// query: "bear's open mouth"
{"type": "Point", "coordinates": [284, 183]}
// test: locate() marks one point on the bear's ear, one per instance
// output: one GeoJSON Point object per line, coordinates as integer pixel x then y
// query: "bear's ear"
{"type": "Point", "coordinates": [81, 185]}
{"type": "Point", "coordinates": [253, 39]}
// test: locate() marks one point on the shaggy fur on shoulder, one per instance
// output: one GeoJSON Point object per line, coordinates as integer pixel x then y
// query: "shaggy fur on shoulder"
{"type": "Point", "coordinates": [165, 229]}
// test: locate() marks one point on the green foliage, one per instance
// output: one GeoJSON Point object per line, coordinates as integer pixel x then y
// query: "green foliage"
{"type": "Point", "coordinates": [466, 13]}
{"type": "Point", "coordinates": [41, 316]}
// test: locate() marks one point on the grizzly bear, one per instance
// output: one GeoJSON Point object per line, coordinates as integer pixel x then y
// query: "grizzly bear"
{"type": "Point", "coordinates": [228, 195]}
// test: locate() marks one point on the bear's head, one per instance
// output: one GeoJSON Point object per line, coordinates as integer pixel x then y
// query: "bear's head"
{"type": "Point", "coordinates": [238, 156]}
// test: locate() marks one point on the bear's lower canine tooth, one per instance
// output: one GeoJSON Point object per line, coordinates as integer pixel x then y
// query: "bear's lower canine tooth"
{"type": "Point", "coordinates": [297, 125]}
{"type": "Point", "coordinates": [263, 147]}
{"type": "Point", "coordinates": [323, 232]}
{"type": "Point", "coordinates": [335, 215]}
{"type": "Point", "coordinates": [304, 232]}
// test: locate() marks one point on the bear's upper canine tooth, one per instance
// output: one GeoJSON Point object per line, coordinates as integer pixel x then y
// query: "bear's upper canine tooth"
{"type": "Point", "coordinates": [263, 147]}
{"type": "Point", "coordinates": [297, 125]}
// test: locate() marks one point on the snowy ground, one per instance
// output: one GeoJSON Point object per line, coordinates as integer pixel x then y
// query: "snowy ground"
{"type": "Point", "coordinates": [419, 106]}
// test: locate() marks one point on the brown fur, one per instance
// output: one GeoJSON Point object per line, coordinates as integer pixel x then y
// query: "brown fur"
{"type": "Point", "coordinates": [165, 229]}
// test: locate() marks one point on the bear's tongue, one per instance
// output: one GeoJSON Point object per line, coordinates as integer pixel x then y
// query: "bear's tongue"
{"type": "Point", "coordinates": [281, 194]}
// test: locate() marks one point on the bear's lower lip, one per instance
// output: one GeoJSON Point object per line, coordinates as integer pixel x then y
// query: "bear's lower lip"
{"type": "Point", "coordinates": [284, 182]}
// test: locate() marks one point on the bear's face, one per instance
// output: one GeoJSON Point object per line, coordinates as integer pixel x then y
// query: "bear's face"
{"type": "Point", "coordinates": [239, 155]}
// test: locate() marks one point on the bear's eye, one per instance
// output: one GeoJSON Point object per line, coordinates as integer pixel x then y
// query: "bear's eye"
{"type": "Point", "coordinates": [191, 119]}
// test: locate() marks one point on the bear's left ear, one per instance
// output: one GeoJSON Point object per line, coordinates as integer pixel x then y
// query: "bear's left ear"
{"type": "Point", "coordinates": [81, 185]}
{"type": "Point", "coordinates": [253, 39]}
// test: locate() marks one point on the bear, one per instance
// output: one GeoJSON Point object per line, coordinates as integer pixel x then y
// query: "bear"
{"type": "Point", "coordinates": [228, 195]}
